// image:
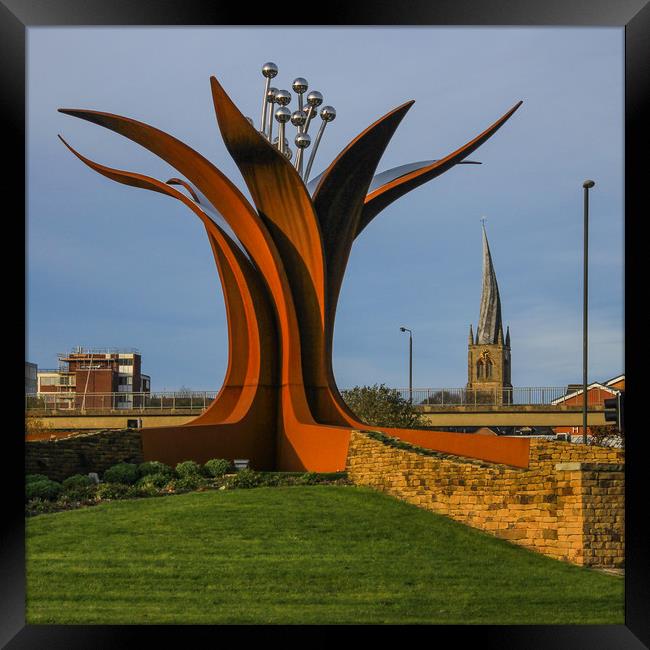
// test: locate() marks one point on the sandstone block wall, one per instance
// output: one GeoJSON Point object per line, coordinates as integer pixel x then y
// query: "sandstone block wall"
{"type": "Point", "coordinates": [90, 452]}
{"type": "Point", "coordinates": [569, 503]}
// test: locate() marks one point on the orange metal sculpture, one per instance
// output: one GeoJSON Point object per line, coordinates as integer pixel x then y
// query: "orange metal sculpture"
{"type": "Point", "coordinates": [281, 275]}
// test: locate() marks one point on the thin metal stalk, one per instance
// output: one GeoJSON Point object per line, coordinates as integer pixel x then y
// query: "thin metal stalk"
{"type": "Point", "coordinates": [267, 85]}
{"type": "Point", "coordinates": [299, 161]}
{"type": "Point", "coordinates": [281, 137]}
{"type": "Point", "coordinates": [319, 135]}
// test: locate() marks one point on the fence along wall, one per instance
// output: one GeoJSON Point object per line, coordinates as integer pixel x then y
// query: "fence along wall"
{"type": "Point", "coordinates": [569, 503]}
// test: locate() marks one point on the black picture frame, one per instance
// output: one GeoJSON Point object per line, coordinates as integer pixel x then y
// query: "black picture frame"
{"type": "Point", "coordinates": [16, 16]}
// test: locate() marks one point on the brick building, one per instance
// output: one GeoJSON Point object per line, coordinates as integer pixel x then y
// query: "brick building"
{"type": "Point", "coordinates": [95, 378]}
{"type": "Point", "coordinates": [597, 393]}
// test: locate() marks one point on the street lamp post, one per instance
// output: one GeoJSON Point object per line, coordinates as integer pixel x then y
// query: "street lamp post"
{"type": "Point", "coordinates": [405, 329]}
{"type": "Point", "coordinates": [586, 185]}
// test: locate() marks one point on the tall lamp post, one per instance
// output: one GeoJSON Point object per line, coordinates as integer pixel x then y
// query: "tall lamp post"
{"type": "Point", "coordinates": [586, 185]}
{"type": "Point", "coordinates": [406, 329]}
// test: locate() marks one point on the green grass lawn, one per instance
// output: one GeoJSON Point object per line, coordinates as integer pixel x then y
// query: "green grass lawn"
{"type": "Point", "coordinates": [318, 554]}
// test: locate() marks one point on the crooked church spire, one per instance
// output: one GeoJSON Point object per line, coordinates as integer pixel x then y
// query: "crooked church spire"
{"type": "Point", "coordinates": [488, 357]}
{"type": "Point", "coordinates": [490, 328]}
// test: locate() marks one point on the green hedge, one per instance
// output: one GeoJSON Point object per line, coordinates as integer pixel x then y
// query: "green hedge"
{"type": "Point", "coordinates": [153, 480]}
{"type": "Point", "coordinates": [43, 489]}
{"type": "Point", "coordinates": [30, 478]}
{"type": "Point", "coordinates": [188, 468]}
{"type": "Point", "coordinates": [217, 467]}
{"type": "Point", "coordinates": [124, 473]}
{"type": "Point", "coordinates": [76, 481]}
{"type": "Point", "coordinates": [187, 483]}
{"type": "Point", "coordinates": [154, 467]}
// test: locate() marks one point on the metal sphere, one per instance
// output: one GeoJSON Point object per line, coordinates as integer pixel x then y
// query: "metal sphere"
{"type": "Point", "coordinates": [298, 118]}
{"type": "Point", "coordinates": [300, 85]}
{"type": "Point", "coordinates": [250, 120]}
{"type": "Point", "coordinates": [283, 97]}
{"type": "Point", "coordinates": [314, 98]}
{"type": "Point", "coordinates": [328, 113]}
{"type": "Point", "coordinates": [269, 70]}
{"type": "Point", "coordinates": [283, 114]}
{"type": "Point", "coordinates": [270, 96]}
{"type": "Point", "coordinates": [303, 140]}
{"type": "Point", "coordinates": [288, 153]}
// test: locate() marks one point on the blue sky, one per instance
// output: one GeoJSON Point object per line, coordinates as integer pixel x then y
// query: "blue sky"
{"type": "Point", "coordinates": [113, 266]}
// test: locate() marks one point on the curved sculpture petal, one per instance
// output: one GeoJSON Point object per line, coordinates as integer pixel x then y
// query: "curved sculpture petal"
{"type": "Point", "coordinates": [397, 172]}
{"type": "Point", "coordinates": [287, 210]}
{"type": "Point", "coordinates": [383, 196]}
{"type": "Point", "coordinates": [278, 192]}
{"type": "Point", "coordinates": [231, 203]}
{"type": "Point", "coordinates": [280, 292]}
{"type": "Point", "coordinates": [246, 396]}
{"type": "Point", "coordinates": [207, 207]}
{"type": "Point", "coordinates": [218, 189]}
{"type": "Point", "coordinates": [338, 201]}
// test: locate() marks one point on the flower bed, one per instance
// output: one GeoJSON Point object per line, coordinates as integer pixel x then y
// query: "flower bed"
{"type": "Point", "coordinates": [153, 479]}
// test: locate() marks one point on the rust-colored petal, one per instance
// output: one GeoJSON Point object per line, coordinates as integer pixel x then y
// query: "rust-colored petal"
{"type": "Point", "coordinates": [277, 190]}
{"type": "Point", "coordinates": [252, 359]}
{"type": "Point", "coordinates": [383, 196]}
{"type": "Point", "coordinates": [288, 212]}
{"type": "Point", "coordinates": [243, 219]}
{"type": "Point", "coordinates": [338, 200]}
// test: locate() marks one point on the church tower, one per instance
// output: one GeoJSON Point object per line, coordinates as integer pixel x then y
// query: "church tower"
{"type": "Point", "coordinates": [488, 357]}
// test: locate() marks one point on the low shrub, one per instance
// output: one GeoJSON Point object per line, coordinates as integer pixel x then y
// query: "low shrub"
{"type": "Point", "coordinates": [245, 478]}
{"type": "Point", "coordinates": [30, 478]}
{"type": "Point", "coordinates": [186, 483]}
{"type": "Point", "coordinates": [331, 476]}
{"type": "Point", "coordinates": [154, 467]}
{"type": "Point", "coordinates": [309, 478]}
{"type": "Point", "coordinates": [188, 468]}
{"type": "Point", "coordinates": [124, 473]}
{"type": "Point", "coordinates": [113, 491]}
{"type": "Point", "coordinates": [275, 479]}
{"type": "Point", "coordinates": [43, 489]}
{"type": "Point", "coordinates": [153, 480]}
{"type": "Point", "coordinates": [145, 489]}
{"type": "Point", "coordinates": [76, 481]}
{"type": "Point", "coordinates": [216, 467]}
{"type": "Point", "coordinates": [38, 506]}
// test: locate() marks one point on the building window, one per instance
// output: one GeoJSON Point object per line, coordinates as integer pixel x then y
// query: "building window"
{"type": "Point", "coordinates": [488, 369]}
{"type": "Point", "coordinates": [479, 370]}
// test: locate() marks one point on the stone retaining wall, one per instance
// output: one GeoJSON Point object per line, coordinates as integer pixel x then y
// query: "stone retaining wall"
{"type": "Point", "coordinates": [80, 454]}
{"type": "Point", "coordinates": [569, 503]}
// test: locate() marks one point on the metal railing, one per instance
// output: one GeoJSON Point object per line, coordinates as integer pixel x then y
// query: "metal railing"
{"type": "Point", "coordinates": [71, 402]}
{"type": "Point", "coordinates": [518, 396]}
